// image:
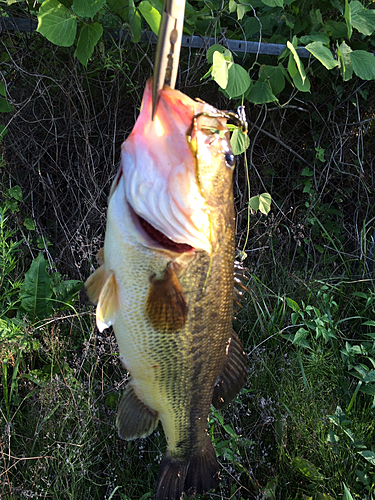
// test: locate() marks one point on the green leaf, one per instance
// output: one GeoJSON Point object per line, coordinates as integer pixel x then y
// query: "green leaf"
{"type": "Point", "coordinates": [15, 192]}
{"type": "Point", "coordinates": [273, 3]}
{"type": "Point", "coordinates": [83, 8]}
{"type": "Point", "coordinates": [241, 11]}
{"type": "Point", "coordinates": [36, 290]}
{"type": "Point", "coordinates": [315, 37]}
{"type": "Point", "coordinates": [29, 224]}
{"type": "Point", "coordinates": [254, 203]}
{"type": "Point", "coordinates": [265, 201]}
{"type": "Point", "coordinates": [151, 15]}
{"type": "Point", "coordinates": [347, 495]}
{"type": "Point", "coordinates": [158, 4]}
{"type": "Point", "coordinates": [3, 132]}
{"type": "Point", "coordinates": [348, 19]}
{"type": "Point", "coordinates": [362, 19]}
{"type": "Point", "coordinates": [292, 67]}
{"type": "Point", "coordinates": [146, 495]}
{"type": "Point", "coordinates": [261, 202]}
{"type": "Point", "coordinates": [239, 141]}
{"type": "Point", "coordinates": [251, 26]}
{"type": "Point", "coordinates": [9, 332]}
{"type": "Point", "coordinates": [275, 77]}
{"type": "Point", "coordinates": [302, 85]}
{"type": "Point", "coordinates": [300, 336]}
{"type": "Point", "coordinates": [119, 7]}
{"type": "Point", "coordinates": [323, 54]}
{"type": "Point", "coordinates": [66, 290]}
{"type": "Point", "coordinates": [364, 477]}
{"type": "Point", "coordinates": [318, 17]}
{"type": "Point", "coordinates": [363, 64]}
{"type": "Point", "coordinates": [220, 69]}
{"type": "Point", "coordinates": [297, 60]}
{"type": "Point", "coordinates": [135, 22]}
{"type": "Point", "coordinates": [260, 93]}
{"type": "Point", "coordinates": [5, 107]}
{"type": "Point", "coordinates": [269, 492]}
{"type": "Point", "coordinates": [89, 35]}
{"type": "Point", "coordinates": [369, 377]}
{"type": "Point", "coordinates": [238, 81]}
{"type": "Point", "coordinates": [307, 172]}
{"type": "Point", "coordinates": [346, 68]}
{"type": "Point", "coordinates": [211, 50]}
{"type": "Point", "coordinates": [232, 6]}
{"type": "Point", "coordinates": [293, 304]}
{"type": "Point", "coordinates": [307, 469]}
{"type": "Point", "coordinates": [368, 389]}
{"type": "Point", "coordinates": [56, 23]}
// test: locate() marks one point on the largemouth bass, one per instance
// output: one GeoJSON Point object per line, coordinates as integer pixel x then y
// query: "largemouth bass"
{"type": "Point", "coordinates": [166, 283]}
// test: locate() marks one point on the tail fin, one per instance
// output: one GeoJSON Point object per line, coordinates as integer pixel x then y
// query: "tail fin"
{"type": "Point", "coordinates": [197, 475]}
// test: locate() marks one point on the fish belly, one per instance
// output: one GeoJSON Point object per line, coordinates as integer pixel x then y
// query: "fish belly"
{"type": "Point", "coordinates": [157, 360]}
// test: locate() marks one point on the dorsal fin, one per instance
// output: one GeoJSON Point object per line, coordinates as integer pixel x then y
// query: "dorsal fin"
{"type": "Point", "coordinates": [233, 375]}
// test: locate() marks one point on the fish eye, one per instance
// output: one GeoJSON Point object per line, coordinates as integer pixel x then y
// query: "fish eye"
{"type": "Point", "coordinates": [230, 160]}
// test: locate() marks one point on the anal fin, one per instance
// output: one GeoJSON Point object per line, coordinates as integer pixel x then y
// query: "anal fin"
{"type": "Point", "coordinates": [233, 375]}
{"type": "Point", "coordinates": [166, 306]}
{"type": "Point", "coordinates": [134, 418]}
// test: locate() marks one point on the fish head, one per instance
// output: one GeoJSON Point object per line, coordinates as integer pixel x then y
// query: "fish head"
{"type": "Point", "coordinates": [209, 141]}
{"type": "Point", "coordinates": [176, 169]}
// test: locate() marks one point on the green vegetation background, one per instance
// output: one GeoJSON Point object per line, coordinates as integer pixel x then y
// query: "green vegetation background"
{"type": "Point", "coordinates": [303, 427]}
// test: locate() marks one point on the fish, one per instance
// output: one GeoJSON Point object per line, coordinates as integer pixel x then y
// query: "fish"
{"type": "Point", "coordinates": [166, 283]}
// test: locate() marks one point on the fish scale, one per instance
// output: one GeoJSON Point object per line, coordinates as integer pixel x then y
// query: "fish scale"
{"type": "Point", "coordinates": [167, 281]}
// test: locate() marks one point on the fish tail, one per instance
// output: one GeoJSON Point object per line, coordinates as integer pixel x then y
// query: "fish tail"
{"type": "Point", "coordinates": [194, 476]}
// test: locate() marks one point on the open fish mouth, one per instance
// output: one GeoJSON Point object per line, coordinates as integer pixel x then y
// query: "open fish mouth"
{"type": "Point", "coordinates": [160, 174]}
{"type": "Point", "coordinates": [162, 239]}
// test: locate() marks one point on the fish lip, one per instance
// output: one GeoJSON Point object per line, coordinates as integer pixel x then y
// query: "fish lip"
{"type": "Point", "coordinates": [147, 241]}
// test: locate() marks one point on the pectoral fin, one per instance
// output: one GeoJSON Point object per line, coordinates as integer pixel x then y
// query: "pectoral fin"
{"type": "Point", "coordinates": [233, 376]}
{"type": "Point", "coordinates": [134, 418]}
{"type": "Point", "coordinates": [95, 283]}
{"type": "Point", "coordinates": [166, 305]}
{"type": "Point", "coordinates": [100, 256]}
{"type": "Point", "coordinates": [107, 307]}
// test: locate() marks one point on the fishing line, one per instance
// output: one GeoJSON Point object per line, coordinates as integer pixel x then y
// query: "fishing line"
{"type": "Point", "coordinates": [242, 116]}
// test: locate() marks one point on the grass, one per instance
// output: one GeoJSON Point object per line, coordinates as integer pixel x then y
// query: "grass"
{"type": "Point", "coordinates": [294, 432]}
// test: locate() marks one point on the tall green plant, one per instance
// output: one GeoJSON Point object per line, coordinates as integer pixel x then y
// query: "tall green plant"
{"type": "Point", "coordinates": [80, 23]}
{"type": "Point", "coordinates": [337, 36]}
{"type": "Point", "coordinates": [330, 33]}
